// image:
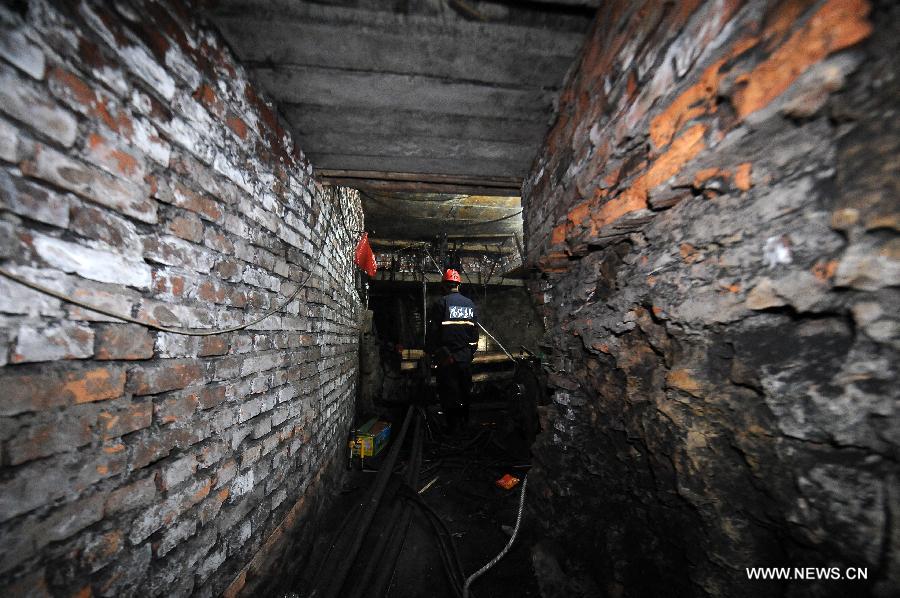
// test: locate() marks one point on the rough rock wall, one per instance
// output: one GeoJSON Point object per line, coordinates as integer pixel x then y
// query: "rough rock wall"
{"type": "Point", "coordinates": [141, 171]}
{"type": "Point", "coordinates": [715, 217]}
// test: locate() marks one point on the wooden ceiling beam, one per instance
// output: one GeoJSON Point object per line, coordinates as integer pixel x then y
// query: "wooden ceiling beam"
{"type": "Point", "coordinates": [422, 186]}
{"type": "Point", "coordinates": [482, 181]}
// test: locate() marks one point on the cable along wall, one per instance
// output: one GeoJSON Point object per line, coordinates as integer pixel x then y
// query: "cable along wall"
{"type": "Point", "coordinates": [142, 173]}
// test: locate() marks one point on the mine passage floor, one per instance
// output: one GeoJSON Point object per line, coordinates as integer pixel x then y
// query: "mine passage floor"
{"type": "Point", "coordinates": [479, 515]}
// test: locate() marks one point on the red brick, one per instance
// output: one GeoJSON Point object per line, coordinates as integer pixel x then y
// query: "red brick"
{"type": "Point", "coordinates": [208, 98]}
{"type": "Point", "coordinates": [60, 170]}
{"type": "Point", "coordinates": [163, 376]}
{"type": "Point", "coordinates": [195, 202]}
{"type": "Point", "coordinates": [137, 494]}
{"type": "Point", "coordinates": [175, 406]}
{"type": "Point", "coordinates": [106, 154]}
{"type": "Point", "coordinates": [214, 345]}
{"type": "Point", "coordinates": [101, 549]}
{"type": "Point", "coordinates": [40, 390]}
{"type": "Point", "coordinates": [228, 269]}
{"type": "Point", "coordinates": [123, 341]}
{"type": "Point", "coordinates": [42, 440]}
{"type": "Point", "coordinates": [212, 292]}
{"type": "Point", "coordinates": [237, 125]}
{"type": "Point", "coordinates": [102, 225]}
{"type": "Point", "coordinates": [187, 227]}
{"type": "Point", "coordinates": [136, 416]}
{"type": "Point", "coordinates": [168, 284]}
{"type": "Point", "coordinates": [742, 176]}
{"type": "Point", "coordinates": [84, 98]}
{"type": "Point", "coordinates": [211, 396]}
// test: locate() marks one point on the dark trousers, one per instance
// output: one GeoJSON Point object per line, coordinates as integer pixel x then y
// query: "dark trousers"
{"type": "Point", "coordinates": [454, 385]}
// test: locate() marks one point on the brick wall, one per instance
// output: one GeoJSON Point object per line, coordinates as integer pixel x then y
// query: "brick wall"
{"type": "Point", "coordinates": [714, 215]}
{"type": "Point", "coordinates": [141, 171]}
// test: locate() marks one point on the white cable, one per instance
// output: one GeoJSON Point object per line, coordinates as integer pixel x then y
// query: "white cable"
{"type": "Point", "coordinates": [503, 552]}
{"type": "Point", "coordinates": [508, 354]}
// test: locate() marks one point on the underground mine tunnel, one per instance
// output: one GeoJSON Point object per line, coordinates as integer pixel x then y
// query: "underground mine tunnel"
{"type": "Point", "coordinates": [225, 228]}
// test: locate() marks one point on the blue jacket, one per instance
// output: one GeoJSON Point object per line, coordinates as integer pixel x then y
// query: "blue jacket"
{"type": "Point", "coordinates": [453, 324]}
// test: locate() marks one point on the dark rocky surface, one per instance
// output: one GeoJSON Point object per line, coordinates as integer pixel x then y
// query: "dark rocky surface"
{"type": "Point", "coordinates": [719, 278]}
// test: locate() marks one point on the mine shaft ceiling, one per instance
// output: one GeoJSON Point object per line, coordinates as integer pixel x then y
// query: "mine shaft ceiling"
{"type": "Point", "coordinates": [449, 96]}
{"type": "Point", "coordinates": [424, 216]}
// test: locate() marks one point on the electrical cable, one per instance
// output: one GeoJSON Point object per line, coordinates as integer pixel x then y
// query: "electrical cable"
{"type": "Point", "coordinates": [508, 354]}
{"type": "Point", "coordinates": [388, 536]}
{"type": "Point", "coordinates": [394, 547]}
{"type": "Point", "coordinates": [181, 331]}
{"type": "Point", "coordinates": [369, 507]}
{"type": "Point", "coordinates": [506, 548]}
{"type": "Point", "coordinates": [446, 548]}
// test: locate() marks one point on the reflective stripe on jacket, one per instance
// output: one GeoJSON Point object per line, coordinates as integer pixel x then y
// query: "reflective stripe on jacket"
{"type": "Point", "coordinates": [454, 325]}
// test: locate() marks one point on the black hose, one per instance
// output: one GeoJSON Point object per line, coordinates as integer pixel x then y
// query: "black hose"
{"type": "Point", "coordinates": [386, 536]}
{"type": "Point", "coordinates": [369, 507]}
{"type": "Point", "coordinates": [398, 537]}
{"type": "Point", "coordinates": [449, 553]}
{"type": "Point", "coordinates": [392, 552]}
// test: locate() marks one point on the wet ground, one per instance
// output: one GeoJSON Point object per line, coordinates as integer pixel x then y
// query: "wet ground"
{"type": "Point", "coordinates": [462, 469]}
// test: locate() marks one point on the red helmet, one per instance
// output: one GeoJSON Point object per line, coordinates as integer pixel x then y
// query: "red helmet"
{"type": "Point", "coordinates": [452, 276]}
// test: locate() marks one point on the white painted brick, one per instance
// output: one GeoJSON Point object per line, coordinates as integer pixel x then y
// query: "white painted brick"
{"type": "Point", "coordinates": [24, 103]}
{"type": "Point", "coordinates": [19, 299]}
{"type": "Point", "coordinates": [120, 195]}
{"type": "Point", "coordinates": [176, 61]}
{"type": "Point", "coordinates": [182, 133]}
{"type": "Point", "coordinates": [9, 142]}
{"type": "Point", "coordinates": [178, 471]}
{"type": "Point", "coordinates": [279, 497]}
{"type": "Point", "coordinates": [260, 363]}
{"type": "Point", "coordinates": [19, 51]}
{"type": "Point", "coordinates": [210, 564]}
{"type": "Point", "coordinates": [118, 302]}
{"type": "Point", "coordinates": [31, 201]}
{"type": "Point", "coordinates": [174, 251]}
{"type": "Point", "coordinates": [176, 535]}
{"type": "Point", "coordinates": [223, 166]}
{"type": "Point", "coordinates": [94, 264]}
{"type": "Point", "coordinates": [171, 314]}
{"type": "Point", "coordinates": [137, 59]}
{"type": "Point", "coordinates": [176, 345]}
{"type": "Point", "coordinates": [242, 484]}
{"type": "Point", "coordinates": [63, 341]}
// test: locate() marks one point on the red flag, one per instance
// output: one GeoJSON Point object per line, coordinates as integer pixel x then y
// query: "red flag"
{"type": "Point", "coordinates": [364, 258]}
